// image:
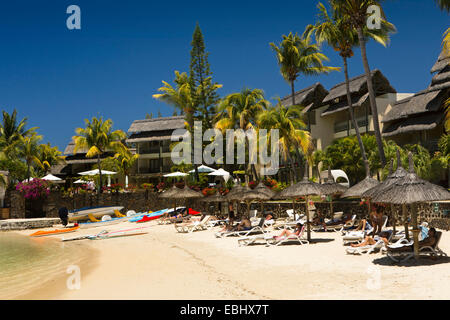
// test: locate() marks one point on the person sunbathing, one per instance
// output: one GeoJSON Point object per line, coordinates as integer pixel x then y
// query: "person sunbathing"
{"type": "Point", "coordinates": [370, 241]}
{"type": "Point", "coordinates": [245, 225]}
{"type": "Point", "coordinates": [286, 233]}
{"type": "Point", "coordinates": [363, 225]}
{"type": "Point", "coordinates": [429, 241]}
{"type": "Point", "coordinates": [230, 224]}
{"type": "Point", "coordinates": [319, 219]}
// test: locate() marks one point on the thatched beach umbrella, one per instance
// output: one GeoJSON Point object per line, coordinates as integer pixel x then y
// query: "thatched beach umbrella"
{"type": "Point", "coordinates": [217, 198]}
{"type": "Point", "coordinates": [331, 188]}
{"type": "Point", "coordinates": [259, 193]}
{"type": "Point", "coordinates": [304, 188]}
{"type": "Point", "coordinates": [412, 190]}
{"type": "Point", "coordinates": [235, 194]}
{"type": "Point", "coordinates": [389, 181]}
{"type": "Point", "coordinates": [358, 189]}
{"type": "Point", "coordinates": [176, 193]}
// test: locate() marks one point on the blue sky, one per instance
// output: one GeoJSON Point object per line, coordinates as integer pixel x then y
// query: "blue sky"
{"type": "Point", "coordinates": [111, 67]}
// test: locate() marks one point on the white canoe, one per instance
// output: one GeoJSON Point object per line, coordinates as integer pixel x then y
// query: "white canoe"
{"type": "Point", "coordinates": [96, 212]}
{"type": "Point", "coordinates": [88, 225]}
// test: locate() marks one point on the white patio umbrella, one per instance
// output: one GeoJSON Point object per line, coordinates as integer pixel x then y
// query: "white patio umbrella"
{"type": "Point", "coordinates": [97, 172]}
{"type": "Point", "coordinates": [51, 177]}
{"type": "Point", "coordinates": [221, 173]}
{"type": "Point", "coordinates": [175, 174]}
{"type": "Point", "coordinates": [203, 169]}
{"type": "Point", "coordinates": [80, 181]}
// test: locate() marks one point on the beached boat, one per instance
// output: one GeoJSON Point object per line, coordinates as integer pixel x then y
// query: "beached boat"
{"type": "Point", "coordinates": [109, 222]}
{"type": "Point", "coordinates": [105, 234]}
{"type": "Point", "coordinates": [53, 232]}
{"type": "Point", "coordinates": [154, 215]}
{"type": "Point", "coordinates": [82, 214]}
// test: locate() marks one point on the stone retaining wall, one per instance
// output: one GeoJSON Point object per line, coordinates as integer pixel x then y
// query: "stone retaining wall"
{"type": "Point", "coordinates": [142, 201]}
{"type": "Point", "coordinates": [23, 224]}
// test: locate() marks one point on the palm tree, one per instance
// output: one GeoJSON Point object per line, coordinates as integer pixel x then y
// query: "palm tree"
{"type": "Point", "coordinates": [29, 150]}
{"type": "Point", "coordinates": [239, 111]}
{"type": "Point", "coordinates": [444, 5]}
{"type": "Point", "coordinates": [125, 161]}
{"type": "Point", "coordinates": [355, 11]}
{"type": "Point", "coordinates": [98, 138]}
{"type": "Point", "coordinates": [48, 157]}
{"type": "Point", "coordinates": [337, 32]}
{"type": "Point", "coordinates": [290, 125]}
{"type": "Point", "coordinates": [11, 132]}
{"type": "Point", "coordinates": [297, 56]}
{"type": "Point", "coordinates": [181, 97]}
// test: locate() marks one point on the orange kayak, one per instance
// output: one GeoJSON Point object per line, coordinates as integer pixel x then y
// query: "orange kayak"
{"type": "Point", "coordinates": [53, 232]}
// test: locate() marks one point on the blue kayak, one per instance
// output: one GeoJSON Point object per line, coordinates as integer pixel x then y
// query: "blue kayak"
{"type": "Point", "coordinates": [149, 215]}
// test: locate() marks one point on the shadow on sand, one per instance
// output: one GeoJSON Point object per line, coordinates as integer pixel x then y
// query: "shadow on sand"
{"type": "Point", "coordinates": [423, 261]}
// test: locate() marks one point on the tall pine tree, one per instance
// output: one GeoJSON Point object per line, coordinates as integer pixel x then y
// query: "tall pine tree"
{"type": "Point", "coordinates": [204, 91]}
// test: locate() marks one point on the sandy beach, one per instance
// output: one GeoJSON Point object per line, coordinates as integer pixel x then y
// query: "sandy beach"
{"type": "Point", "coordinates": [164, 264]}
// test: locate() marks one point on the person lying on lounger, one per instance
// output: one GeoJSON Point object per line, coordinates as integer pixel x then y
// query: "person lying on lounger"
{"type": "Point", "coordinates": [363, 225]}
{"type": "Point", "coordinates": [245, 224]}
{"type": "Point", "coordinates": [369, 240]}
{"type": "Point", "coordinates": [287, 233]}
{"type": "Point", "coordinates": [230, 225]}
{"type": "Point", "coordinates": [427, 242]}
{"type": "Point", "coordinates": [319, 219]}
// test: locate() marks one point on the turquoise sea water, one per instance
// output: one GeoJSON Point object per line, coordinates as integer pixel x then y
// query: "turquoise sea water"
{"type": "Point", "coordinates": [27, 263]}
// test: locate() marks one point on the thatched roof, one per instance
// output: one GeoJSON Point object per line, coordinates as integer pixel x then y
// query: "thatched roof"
{"type": "Point", "coordinates": [390, 180]}
{"type": "Point", "coordinates": [215, 198]}
{"type": "Point", "coordinates": [260, 192]}
{"type": "Point", "coordinates": [358, 86]}
{"type": "Point", "coordinates": [411, 189]}
{"type": "Point", "coordinates": [421, 122]}
{"type": "Point", "coordinates": [442, 77]}
{"type": "Point", "coordinates": [330, 187]}
{"type": "Point", "coordinates": [358, 189]}
{"type": "Point", "coordinates": [302, 188]}
{"type": "Point", "coordinates": [185, 193]}
{"type": "Point", "coordinates": [236, 192]}
{"type": "Point", "coordinates": [441, 63]}
{"type": "Point", "coordinates": [311, 96]}
{"type": "Point", "coordinates": [425, 101]}
{"type": "Point", "coordinates": [71, 147]}
{"type": "Point", "coordinates": [343, 105]}
{"type": "Point", "coordinates": [157, 124]}
{"type": "Point", "coordinates": [167, 194]}
{"type": "Point", "coordinates": [153, 136]}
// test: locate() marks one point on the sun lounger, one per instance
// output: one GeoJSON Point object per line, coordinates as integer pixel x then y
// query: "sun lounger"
{"type": "Point", "coordinates": [243, 233]}
{"type": "Point", "coordinates": [366, 249]}
{"type": "Point", "coordinates": [191, 227]}
{"type": "Point", "coordinates": [355, 236]}
{"type": "Point", "coordinates": [245, 241]}
{"type": "Point", "coordinates": [273, 241]}
{"type": "Point", "coordinates": [378, 246]}
{"type": "Point", "coordinates": [401, 256]}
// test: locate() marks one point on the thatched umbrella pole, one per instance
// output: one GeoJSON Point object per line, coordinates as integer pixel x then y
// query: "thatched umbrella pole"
{"type": "Point", "coordinates": [308, 225]}
{"type": "Point", "coordinates": [393, 216]}
{"type": "Point", "coordinates": [405, 220]}
{"type": "Point", "coordinates": [415, 231]}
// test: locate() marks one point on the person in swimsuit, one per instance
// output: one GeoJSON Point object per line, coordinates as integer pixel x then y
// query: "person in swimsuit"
{"type": "Point", "coordinates": [287, 233]}
{"type": "Point", "coordinates": [363, 225]}
{"type": "Point", "coordinates": [384, 235]}
{"type": "Point", "coordinates": [376, 219]}
{"type": "Point", "coordinates": [427, 242]}
{"type": "Point", "coordinates": [244, 225]}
